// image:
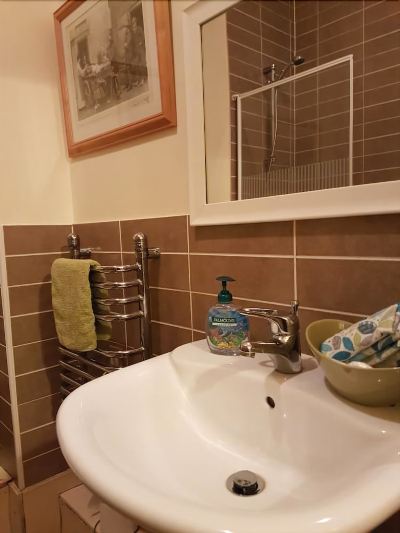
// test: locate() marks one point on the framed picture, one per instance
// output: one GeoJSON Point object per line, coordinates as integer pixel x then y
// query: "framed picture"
{"type": "Point", "coordinates": [116, 69]}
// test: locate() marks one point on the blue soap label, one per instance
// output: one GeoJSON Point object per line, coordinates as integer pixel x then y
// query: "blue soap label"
{"type": "Point", "coordinates": [227, 328]}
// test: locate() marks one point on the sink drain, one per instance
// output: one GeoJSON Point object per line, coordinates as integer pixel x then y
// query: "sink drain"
{"type": "Point", "coordinates": [245, 483]}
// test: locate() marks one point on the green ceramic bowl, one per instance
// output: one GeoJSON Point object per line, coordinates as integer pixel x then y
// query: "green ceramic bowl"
{"type": "Point", "coordinates": [367, 386]}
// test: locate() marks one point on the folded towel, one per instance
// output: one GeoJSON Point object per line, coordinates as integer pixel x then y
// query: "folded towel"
{"type": "Point", "coordinates": [371, 340]}
{"type": "Point", "coordinates": [76, 326]}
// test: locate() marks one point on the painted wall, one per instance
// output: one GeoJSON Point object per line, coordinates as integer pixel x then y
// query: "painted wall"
{"type": "Point", "coordinates": [35, 171]}
{"type": "Point", "coordinates": [143, 178]}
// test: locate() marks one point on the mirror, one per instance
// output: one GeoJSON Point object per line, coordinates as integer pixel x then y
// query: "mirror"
{"type": "Point", "coordinates": [300, 100]}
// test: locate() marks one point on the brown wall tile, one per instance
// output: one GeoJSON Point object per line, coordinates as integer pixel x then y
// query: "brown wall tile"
{"type": "Point", "coordinates": [5, 414]}
{"type": "Point", "coordinates": [367, 236]}
{"type": "Point", "coordinates": [168, 233]}
{"type": "Point", "coordinates": [3, 359]}
{"type": "Point", "coordinates": [30, 299]}
{"type": "Point", "coordinates": [261, 278]}
{"type": "Point", "coordinates": [170, 271]}
{"type": "Point", "coordinates": [26, 269]}
{"type": "Point", "coordinates": [35, 356]}
{"type": "Point", "coordinates": [4, 387]}
{"type": "Point", "coordinates": [38, 441]}
{"type": "Point", "coordinates": [38, 384]}
{"type": "Point", "coordinates": [346, 285]}
{"type": "Point", "coordinates": [35, 239]}
{"type": "Point", "coordinates": [166, 338]}
{"type": "Point", "coordinates": [32, 328]}
{"type": "Point", "coordinates": [7, 452]}
{"type": "Point", "coordinates": [274, 238]}
{"type": "Point", "coordinates": [38, 412]}
{"type": "Point", "coordinates": [172, 307]}
{"type": "Point", "coordinates": [44, 466]}
{"type": "Point", "coordinates": [2, 333]}
{"type": "Point", "coordinates": [102, 235]}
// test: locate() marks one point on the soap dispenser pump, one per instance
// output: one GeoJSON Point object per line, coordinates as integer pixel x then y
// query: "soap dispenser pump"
{"type": "Point", "coordinates": [226, 328]}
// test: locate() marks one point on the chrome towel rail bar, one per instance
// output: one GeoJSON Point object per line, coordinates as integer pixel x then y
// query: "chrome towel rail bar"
{"type": "Point", "coordinates": [78, 368]}
{"type": "Point", "coordinates": [117, 284]}
{"type": "Point", "coordinates": [119, 316]}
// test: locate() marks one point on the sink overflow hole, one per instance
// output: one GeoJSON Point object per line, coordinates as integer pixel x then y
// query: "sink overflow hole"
{"type": "Point", "coordinates": [270, 401]}
{"type": "Point", "coordinates": [245, 483]}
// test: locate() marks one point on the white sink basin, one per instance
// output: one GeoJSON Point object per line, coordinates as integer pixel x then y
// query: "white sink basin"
{"type": "Point", "coordinates": [158, 440]}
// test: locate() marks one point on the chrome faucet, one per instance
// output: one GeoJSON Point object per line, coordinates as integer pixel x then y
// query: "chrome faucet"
{"type": "Point", "coordinates": [284, 349]}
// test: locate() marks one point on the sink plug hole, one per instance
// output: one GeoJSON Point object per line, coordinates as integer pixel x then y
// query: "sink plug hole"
{"type": "Point", "coordinates": [270, 401]}
{"type": "Point", "coordinates": [245, 483]}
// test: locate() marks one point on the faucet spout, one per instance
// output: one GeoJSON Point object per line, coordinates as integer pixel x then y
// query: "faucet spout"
{"type": "Point", "coordinates": [284, 348]}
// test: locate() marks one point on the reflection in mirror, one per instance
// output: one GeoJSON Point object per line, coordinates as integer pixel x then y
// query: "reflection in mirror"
{"type": "Point", "coordinates": [279, 79]}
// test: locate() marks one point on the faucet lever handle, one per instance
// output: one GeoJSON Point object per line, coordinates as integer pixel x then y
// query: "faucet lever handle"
{"type": "Point", "coordinates": [258, 311]}
{"type": "Point", "coordinates": [294, 305]}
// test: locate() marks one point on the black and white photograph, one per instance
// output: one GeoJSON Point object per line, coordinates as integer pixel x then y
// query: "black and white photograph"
{"type": "Point", "coordinates": [108, 50]}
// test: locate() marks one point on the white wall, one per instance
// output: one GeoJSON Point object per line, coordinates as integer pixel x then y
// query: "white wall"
{"type": "Point", "coordinates": [38, 183]}
{"type": "Point", "coordinates": [34, 169]}
{"type": "Point", "coordinates": [143, 178]}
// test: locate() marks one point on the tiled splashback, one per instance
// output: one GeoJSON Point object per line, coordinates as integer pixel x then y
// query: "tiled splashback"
{"type": "Point", "coordinates": [7, 453]}
{"type": "Point", "coordinates": [336, 267]}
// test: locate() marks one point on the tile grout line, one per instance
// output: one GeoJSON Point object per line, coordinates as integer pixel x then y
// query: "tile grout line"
{"type": "Point", "coordinates": [189, 275]}
{"type": "Point", "coordinates": [41, 455]}
{"type": "Point", "coordinates": [171, 325]}
{"type": "Point", "coordinates": [38, 427]}
{"type": "Point", "coordinates": [11, 363]}
{"type": "Point", "coordinates": [295, 259]}
{"type": "Point", "coordinates": [40, 398]}
{"type": "Point", "coordinates": [35, 342]}
{"type": "Point", "coordinates": [6, 427]}
{"type": "Point", "coordinates": [58, 252]}
{"type": "Point", "coordinates": [4, 399]}
{"type": "Point", "coordinates": [33, 313]}
{"type": "Point", "coordinates": [35, 372]}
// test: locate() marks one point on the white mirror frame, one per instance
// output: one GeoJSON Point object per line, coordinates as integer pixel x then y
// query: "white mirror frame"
{"type": "Point", "coordinates": [345, 201]}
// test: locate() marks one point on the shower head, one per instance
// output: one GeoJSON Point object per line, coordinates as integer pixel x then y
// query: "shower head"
{"type": "Point", "coordinates": [297, 60]}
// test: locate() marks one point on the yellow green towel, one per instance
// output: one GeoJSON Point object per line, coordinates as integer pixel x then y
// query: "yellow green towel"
{"type": "Point", "coordinates": [76, 326]}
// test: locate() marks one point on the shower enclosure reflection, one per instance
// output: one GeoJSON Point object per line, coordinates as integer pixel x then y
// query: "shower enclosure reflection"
{"type": "Point", "coordinates": [278, 94]}
{"type": "Point", "coordinates": [297, 149]}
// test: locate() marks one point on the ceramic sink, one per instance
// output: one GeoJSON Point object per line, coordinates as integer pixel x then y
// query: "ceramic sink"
{"type": "Point", "coordinates": [158, 440]}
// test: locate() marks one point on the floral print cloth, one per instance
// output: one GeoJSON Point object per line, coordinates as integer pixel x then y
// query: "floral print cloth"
{"type": "Point", "coordinates": [372, 340]}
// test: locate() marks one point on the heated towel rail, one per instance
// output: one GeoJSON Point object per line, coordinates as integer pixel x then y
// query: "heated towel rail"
{"type": "Point", "coordinates": [78, 368]}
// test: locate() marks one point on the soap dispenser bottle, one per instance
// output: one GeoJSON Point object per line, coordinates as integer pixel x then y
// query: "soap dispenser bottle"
{"type": "Point", "coordinates": [226, 328]}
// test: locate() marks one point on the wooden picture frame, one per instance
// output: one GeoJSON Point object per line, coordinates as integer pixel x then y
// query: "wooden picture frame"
{"type": "Point", "coordinates": [116, 71]}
